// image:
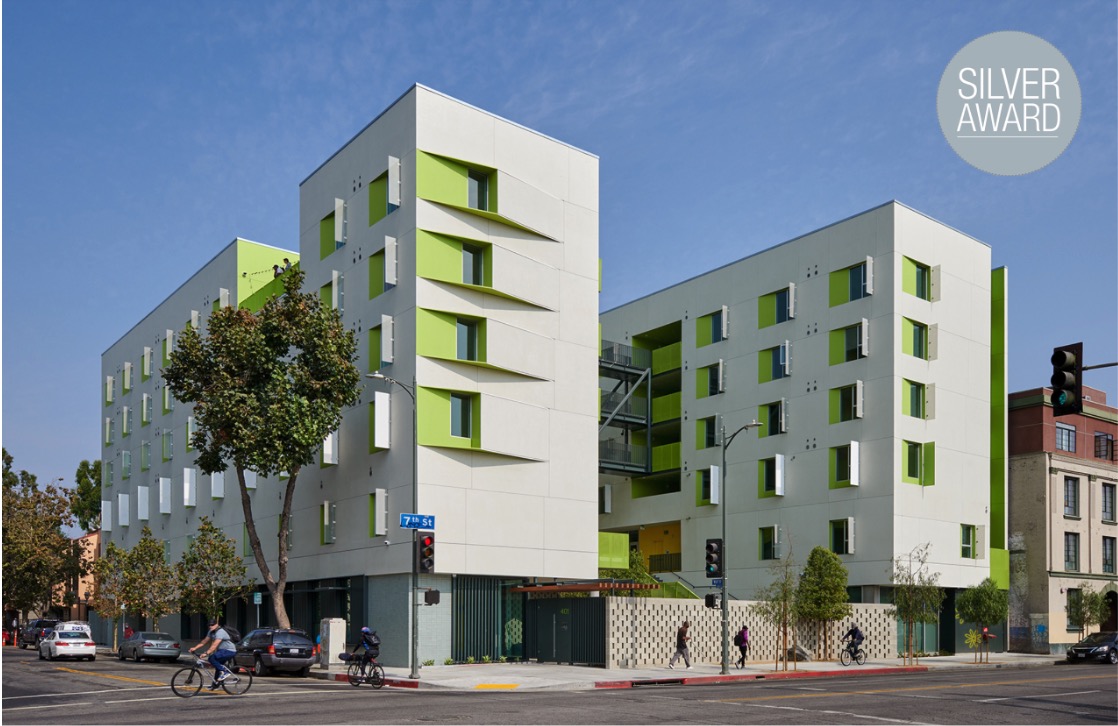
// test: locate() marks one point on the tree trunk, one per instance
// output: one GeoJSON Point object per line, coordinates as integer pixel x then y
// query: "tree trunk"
{"type": "Point", "coordinates": [276, 587]}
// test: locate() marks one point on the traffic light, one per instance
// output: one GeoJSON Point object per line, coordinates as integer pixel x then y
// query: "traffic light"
{"type": "Point", "coordinates": [425, 552]}
{"type": "Point", "coordinates": [1067, 379]}
{"type": "Point", "coordinates": [714, 558]}
{"type": "Point", "coordinates": [712, 600]}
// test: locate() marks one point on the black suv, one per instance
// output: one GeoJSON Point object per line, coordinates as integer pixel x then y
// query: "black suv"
{"type": "Point", "coordinates": [35, 631]}
{"type": "Point", "coordinates": [276, 649]}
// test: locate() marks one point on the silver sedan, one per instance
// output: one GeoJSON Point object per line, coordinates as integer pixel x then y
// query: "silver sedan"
{"type": "Point", "coordinates": [150, 645]}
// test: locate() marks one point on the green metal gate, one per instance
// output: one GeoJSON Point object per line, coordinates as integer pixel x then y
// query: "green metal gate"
{"type": "Point", "coordinates": [566, 630]}
{"type": "Point", "coordinates": [488, 619]}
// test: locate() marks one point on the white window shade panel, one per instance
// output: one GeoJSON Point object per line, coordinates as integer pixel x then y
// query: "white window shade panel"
{"type": "Point", "coordinates": [380, 512]}
{"type": "Point", "coordinates": [859, 392]}
{"type": "Point", "coordinates": [715, 485]}
{"type": "Point", "coordinates": [122, 509]}
{"type": "Point", "coordinates": [721, 375]}
{"type": "Point", "coordinates": [330, 449]}
{"type": "Point", "coordinates": [217, 485]}
{"type": "Point", "coordinates": [869, 275]}
{"type": "Point", "coordinates": [335, 289]}
{"type": "Point", "coordinates": [382, 421]}
{"type": "Point", "coordinates": [933, 342]}
{"type": "Point", "coordinates": [222, 297]}
{"type": "Point", "coordinates": [855, 464]}
{"type": "Point", "coordinates": [108, 389]}
{"type": "Point", "coordinates": [164, 495]}
{"type": "Point", "coordinates": [782, 423]}
{"type": "Point", "coordinates": [725, 322]}
{"type": "Point", "coordinates": [393, 181]}
{"type": "Point", "coordinates": [390, 275]}
{"type": "Point", "coordinates": [980, 542]}
{"type": "Point", "coordinates": [339, 223]}
{"type": "Point", "coordinates": [777, 543]}
{"type": "Point", "coordinates": [250, 479]}
{"type": "Point", "coordinates": [930, 401]}
{"type": "Point", "coordinates": [791, 300]}
{"type": "Point", "coordinates": [386, 338]}
{"type": "Point", "coordinates": [106, 515]}
{"type": "Point", "coordinates": [935, 292]}
{"type": "Point", "coordinates": [127, 374]}
{"type": "Point", "coordinates": [189, 487]}
{"type": "Point", "coordinates": [607, 499]}
{"type": "Point", "coordinates": [145, 361]}
{"type": "Point", "coordinates": [786, 358]}
{"type": "Point", "coordinates": [170, 341]}
{"type": "Point", "coordinates": [195, 319]}
{"type": "Point", "coordinates": [850, 535]}
{"type": "Point", "coordinates": [778, 464]}
{"type": "Point", "coordinates": [864, 343]}
{"type": "Point", "coordinates": [142, 510]}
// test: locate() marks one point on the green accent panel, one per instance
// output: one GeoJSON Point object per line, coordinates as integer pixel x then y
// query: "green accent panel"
{"type": "Point", "coordinates": [906, 396]}
{"type": "Point", "coordinates": [904, 465]}
{"type": "Point", "coordinates": [666, 457]}
{"type": "Point", "coordinates": [668, 358]}
{"type": "Point", "coordinates": [702, 383]}
{"type": "Point", "coordinates": [761, 493]}
{"type": "Point", "coordinates": [326, 242]}
{"type": "Point", "coordinates": [675, 590]}
{"type": "Point", "coordinates": [763, 418]}
{"type": "Point", "coordinates": [166, 361]}
{"type": "Point", "coordinates": [766, 310]}
{"type": "Point", "coordinates": [374, 349]}
{"type": "Point", "coordinates": [929, 470]}
{"type": "Point", "coordinates": [255, 302]}
{"type": "Point", "coordinates": [326, 294]}
{"type": "Point", "coordinates": [667, 408]}
{"type": "Point", "coordinates": [702, 331]}
{"type": "Point", "coordinates": [836, 347]}
{"type": "Point", "coordinates": [999, 567]}
{"type": "Point", "coordinates": [378, 199]}
{"type": "Point", "coordinates": [834, 406]}
{"type": "Point", "coordinates": [833, 482]}
{"type": "Point", "coordinates": [613, 550]}
{"type": "Point", "coordinates": [440, 180]}
{"type": "Point", "coordinates": [438, 256]}
{"type": "Point", "coordinates": [908, 276]}
{"type": "Point", "coordinates": [376, 274]}
{"type": "Point", "coordinates": [372, 513]}
{"type": "Point", "coordinates": [653, 486]}
{"type": "Point", "coordinates": [434, 420]}
{"type": "Point", "coordinates": [998, 408]}
{"type": "Point", "coordinates": [700, 434]}
{"type": "Point", "coordinates": [255, 282]}
{"type": "Point", "coordinates": [907, 327]}
{"type": "Point", "coordinates": [765, 365]}
{"type": "Point", "coordinates": [839, 287]}
{"type": "Point", "coordinates": [436, 334]}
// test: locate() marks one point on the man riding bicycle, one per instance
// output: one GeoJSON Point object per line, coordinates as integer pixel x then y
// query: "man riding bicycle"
{"type": "Point", "coordinates": [369, 643]}
{"type": "Point", "coordinates": [221, 650]}
{"type": "Point", "coordinates": [854, 635]}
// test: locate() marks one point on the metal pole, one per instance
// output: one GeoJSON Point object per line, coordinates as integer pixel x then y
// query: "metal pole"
{"type": "Point", "coordinates": [722, 504]}
{"type": "Point", "coordinates": [414, 533]}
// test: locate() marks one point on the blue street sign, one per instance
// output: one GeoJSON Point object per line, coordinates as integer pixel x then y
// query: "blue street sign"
{"type": "Point", "coordinates": [417, 521]}
{"type": "Point", "coordinates": [716, 582]}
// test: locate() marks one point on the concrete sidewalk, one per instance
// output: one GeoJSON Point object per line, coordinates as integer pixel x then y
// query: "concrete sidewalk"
{"type": "Point", "coordinates": [550, 676]}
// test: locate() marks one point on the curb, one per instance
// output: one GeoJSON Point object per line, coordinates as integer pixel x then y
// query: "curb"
{"type": "Point", "coordinates": [775, 675]}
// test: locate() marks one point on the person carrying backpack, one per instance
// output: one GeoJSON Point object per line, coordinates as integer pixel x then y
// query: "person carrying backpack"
{"type": "Point", "coordinates": [369, 643]}
{"type": "Point", "coordinates": [741, 640]}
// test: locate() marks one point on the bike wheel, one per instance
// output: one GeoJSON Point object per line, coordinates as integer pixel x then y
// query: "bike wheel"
{"type": "Point", "coordinates": [187, 682]}
{"type": "Point", "coordinates": [861, 657]}
{"type": "Point", "coordinates": [354, 674]}
{"type": "Point", "coordinates": [237, 683]}
{"type": "Point", "coordinates": [377, 675]}
{"type": "Point", "coordinates": [844, 657]}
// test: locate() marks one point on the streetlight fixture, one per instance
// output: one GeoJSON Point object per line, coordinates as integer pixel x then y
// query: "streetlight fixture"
{"type": "Point", "coordinates": [415, 508]}
{"type": "Point", "coordinates": [726, 441]}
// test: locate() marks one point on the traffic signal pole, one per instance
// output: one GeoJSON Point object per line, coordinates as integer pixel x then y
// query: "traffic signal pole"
{"type": "Point", "coordinates": [723, 502]}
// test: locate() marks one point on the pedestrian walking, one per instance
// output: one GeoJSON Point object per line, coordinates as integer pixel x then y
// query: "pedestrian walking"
{"type": "Point", "coordinates": [681, 638]}
{"type": "Point", "coordinates": [741, 640]}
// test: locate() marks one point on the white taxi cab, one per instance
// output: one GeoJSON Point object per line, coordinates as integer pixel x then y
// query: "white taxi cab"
{"type": "Point", "coordinates": [76, 644]}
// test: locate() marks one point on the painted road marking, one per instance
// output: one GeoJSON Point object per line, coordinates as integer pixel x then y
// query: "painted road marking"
{"type": "Point", "coordinates": [117, 678]}
{"type": "Point", "coordinates": [56, 705]}
{"type": "Point", "coordinates": [1039, 695]}
{"type": "Point", "coordinates": [836, 713]}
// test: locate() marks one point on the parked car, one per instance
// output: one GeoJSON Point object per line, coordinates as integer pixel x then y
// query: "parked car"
{"type": "Point", "coordinates": [75, 625]}
{"type": "Point", "coordinates": [74, 644]}
{"type": "Point", "coordinates": [35, 631]}
{"type": "Point", "coordinates": [1102, 646]}
{"type": "Point", "coordinates": [151, 645]}
{"type": "Point", "coordinates": [275, 649]}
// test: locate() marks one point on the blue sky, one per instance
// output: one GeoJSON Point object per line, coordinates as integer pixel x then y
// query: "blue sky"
{"type": "Point", "coordinates": [139, 138]}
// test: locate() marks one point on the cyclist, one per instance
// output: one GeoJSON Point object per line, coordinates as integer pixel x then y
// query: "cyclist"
{"type": "Point", "coordinates": [370, 645]}
{"type": "Point", "coordinates": [221, 649]}
{"type": "Point", "coordinates": [854, 635]}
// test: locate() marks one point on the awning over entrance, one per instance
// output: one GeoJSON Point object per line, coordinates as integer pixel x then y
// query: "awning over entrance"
{"type": "Point", "coordinates": [587, 587]}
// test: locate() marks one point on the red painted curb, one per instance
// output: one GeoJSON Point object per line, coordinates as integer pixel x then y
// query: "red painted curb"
{"type": "Point", "coordinates": [394, 682]}
{"type": "Point", "coordinates": [774, 675]}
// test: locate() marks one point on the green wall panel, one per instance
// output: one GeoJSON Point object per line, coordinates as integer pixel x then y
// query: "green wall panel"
{"type": "Point", "coordinates": [766, 310]}
{"type": "Point", "coordinates": [834, 406]}
{"type": "Point", "coordinates": [436, 334]}
{"type": "Point", "coordinates": [326, 242]}
{"type": "Point", "coordinates": [999, 567]}
{"type": "Point", "coordinates": [998, 409]}
{"type": "Point", "coordinates": [374, 349]}
{"type": "Point", "coordinates": [376, 274]}
{"type": "Point", "coordinates": [255, 281]}
{"type": "Point", "coordinates": [765, 365]}
{"type": "Point", "coordinates": [667, 358]}
{"type": "Point", "coordinates": [836, 347]}
{"type": "Point", "coordinates": [434, 420]}
{"type": "Point", "coordinates": [667, 407]}
{"type": "Point", "coordinates": [613, 550]}
{"type": "Point", "coordinates": [702, 331]}
{"type": "Point", "coordinates": [666, 457]}
{"type": "Point", "coordinates": [440, 180]}
{"type": "Point", "coordinates": [839, 292]}
{"type": "Point", "coordinates": [378, 199]}
{"type": "Point", "coordinates": [438, 257]}
{"type": "Point", "coordinates": [908, 276]}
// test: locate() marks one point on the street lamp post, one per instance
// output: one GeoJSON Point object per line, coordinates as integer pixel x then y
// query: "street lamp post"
{"type": "Point", "coordinates": [415, 508]}
{"type": "Point", "coordinates": [723, 503]}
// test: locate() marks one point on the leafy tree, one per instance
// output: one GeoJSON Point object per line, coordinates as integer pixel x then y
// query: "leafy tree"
{"type": "Point", "coordinates": [37, 553]}
{"type": "Point", "coordinates": [983, 605]}
{"type": "Point", "coordinates": [821, 595]}
{"type": "Point", "coordinates": [776, 604]}
{"type": "Point", "coordinates": [267, 389]}
{"type": "Point", "coordinates": [109, 583]}
{"type": "Point", "coordinates": [211, 573]}
{"type": "Point", "coordinates": [1090, 608]}
{"type": "Point", "coordinates": [87, 498]}
{"type": "Point", "coordinates": [916, 596]}
{"type": "Point", "coordinates": [150, 586]}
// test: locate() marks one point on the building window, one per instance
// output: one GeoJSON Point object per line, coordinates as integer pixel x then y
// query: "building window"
{"type": "Point", "coordinates": [852, 338]}
{"type": "Point", "coordinates": [918, 465]}
{"type": "Point", "coordinates": [478, 190]}
{"type": "Point", "coordinates": [783, 309]}
{"type": "Point", "coordinates": [125, 464]}
{"type": "Point", "coordinates": [1108, 555]}
{"type": "Point", "coordinates": [1104, 446]}
{"type": "Point", "coordinates": [968, 532]}
{"type": "Point", "coordinates": [461, 415]}
{"type": "Point", "coordinates": [1065, 437]}
{"type": "Point", "coordinates": [770, 543]}
{"type": "Point", "coordinates": [915, 340]}
{"type": "Point", "coordinates": [1074, 606]}
{"type": "Point", "coordinates": [708, 432]}
{"type": "Point", "coordinates": [1071, 496]}
{"type": "Point", "coordinates": [168, 446]}
{"type": "Point", "coordinates": [125, 421]}
{"type": "Point", "coordinates": [1071, 551]}
{"type": "Point", "coordinates": [145, 410]}
{"type": "Point", "coordinates": [716, 328]}
{"type": "Point", "coordinates": [1108, 492]}
{"type": "Point", "coordinates": [145, 456]}
{"type": "Point", "coordinates": [846, 404]}
{"type": "Point", "coordinates": [917, 279]}
{"type": "Point", "coordinates": [842, 540]}
{"type": "Point", "coordinates": [473, 265]}
{"type": "Point", "coordinates": [842, 463]}
{"type": "Point", "coordinates": [704, 486]}
{"type": "Point", "coordinates": [714, 380]}
{"type": "Point", "coordinates": [913, 403]}
{"type": "Point", "coordinates": [772, 415]}
{"type": "Point", "coordinates": [775, 363]}
{"type": "Point", "coordinates": [467, 339]}
{"type": "Point", "coordinates": [769, 476]}
{"type": "Point", "coordinates": [858, 279]}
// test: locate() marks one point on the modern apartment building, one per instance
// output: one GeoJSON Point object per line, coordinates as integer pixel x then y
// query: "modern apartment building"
{"type": "Point", "coordinates": [871, 352]}
{"type": "Point", "coordinates": [1062, 519]}
{"type": "Point", "coordinates": [462, 249]}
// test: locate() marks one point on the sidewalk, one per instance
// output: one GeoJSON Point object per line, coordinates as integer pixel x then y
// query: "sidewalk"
{"type": "Point", "coordinates": [551, 676]}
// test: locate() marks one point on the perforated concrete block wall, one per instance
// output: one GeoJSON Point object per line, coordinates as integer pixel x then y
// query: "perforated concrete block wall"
{"type": "Point", "coordinates": [641, 632]}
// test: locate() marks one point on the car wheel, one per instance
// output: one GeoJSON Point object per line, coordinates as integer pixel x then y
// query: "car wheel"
{"type": "Point", "coordinates": [50, 655]}
{"type": "Point", "coordinates": [1113, 656]}
{"type": "Point", "coordinates": [120, 653]}
{"type": "Point", "coordinates": [136, 656]}
{"type": "Point", "coordinates": [258, 668]}
{"type": "Point", "coordinates": [22, 645]}
{"type": "Point", "coordinates": [304, 671]}
{"type": "Point", "coordinates": [41, 656]}
{"type": "Point", "coordinates": [92, 658]}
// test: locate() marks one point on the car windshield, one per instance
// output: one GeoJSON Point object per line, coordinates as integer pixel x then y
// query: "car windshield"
{"type": "Point", "coordinates": [1097, 639]}
{"type": "Point", "coordinates": [292, 639]}
{"type": "Point", "coordinates": [71, 635]}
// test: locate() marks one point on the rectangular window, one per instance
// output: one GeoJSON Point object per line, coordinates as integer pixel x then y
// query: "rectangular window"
{"type": "Point", "coordinates": [126, 381]}
{"type": "Point", "coordinates": [1071, 496]}
{"type": "Point", "coordinates": [1065, 437]}
{"type": "Point", "coordinates": [708, 432]}
{"type": "Point", "coordinates": [478, 190]}
{"type": "Point", "coordinates": [859, 281]}
{"type": "Point", "coordinates": [145, 455]}
{"type": "Point", "coordinates": [145, 363]}
{"type": "Point", "coordinates": [473, 265]}
{"type": "Point", "coordinates": [778, 362]}
{"type": "Point", "coordinates": [783, 305]}
{"type": "Point", "coordinates": [842, 536]}
{"type": "Point", "coordinates": [704, 486]}
{"type": "Point", "coordinates": [168, 445]}
{"type": "Point", "coordinates": [467, 339]}
{"type": "Point", "coordinates": [125, 464]}
{"type": "Point", "coordinates": [773, 418]}
{"type": "Point", "coordinates": [1071, 551]}
{"type": "Point", "coordinates": [770, 543]}
{"type": "Point", "coordinates": [108, 390]}
{"type": "Point", "coordinates": [108, 430]}
{"type": "Point", "coordinates": [912, 460]}
{"type": "Point", "coordinates": [1108, 555]}
{"type": "Point", "coordinates": [1104, 446]}
{"type": "Point", "coordinates": [918, 464]}
{"type": "Point", "coordinates": [328, 517]}
{"type": "Point", "coordinates": [846, 403]}
{"type": "Point", "coordinates": [191, 427]}
{"type": "Point", "coordinates": [145, 410]}
{"type": "Point", "coordinates": [912, 404]}
{"type": "Point", "coordinates": [916, 279]}
{"type": "Point", "coordinates": [716, 327]}
{"type": "Point", "coordinates": [378, 513]}
{"type": "Point", "coordinates": [1074, 605]}
{"type": "Point", "coordinates": [967, 540]}
{"type": "Point", "coordinates": [915, 342]}
{"type": "Point", "coordinates": [771, 473]}
{"type": "Point", "coordinates": [168, 400]}
{"type": "Point", "coordinates": [109, 473]}
{"type": "Point", "coordinates": [714, 380]}
{"type": "Point", "coordinates": [125, 421]}
{"type": "Point", "coordinates": [849, 343]}
{"type": "Point", "coordinates": [776, 307]}
{"type": "Point", "coordinates": [842, 463]}
{"type": "Point", "coordinates": [461, 415]}
{"type": "Point", "coordinates": [1108, 492]}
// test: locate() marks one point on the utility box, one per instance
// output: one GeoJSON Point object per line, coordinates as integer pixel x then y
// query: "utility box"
{"type": "Point", "coordinates": [333, 641]}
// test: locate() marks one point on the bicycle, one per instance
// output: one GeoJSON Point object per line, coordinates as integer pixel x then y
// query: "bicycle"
{"type": "Point", "coordinates": [188, 681]}
{"type": "Point", "coordinates": [363, 671]}
{"type": "Point", "coordinates": [849, 653]}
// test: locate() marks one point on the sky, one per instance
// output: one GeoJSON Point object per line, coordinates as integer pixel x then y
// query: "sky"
{"type": "Point", "coordinates": [140, 138]}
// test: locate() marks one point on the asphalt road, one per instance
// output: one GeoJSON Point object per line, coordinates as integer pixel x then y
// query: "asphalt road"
{"type": "Point", "coordinates": [110, 692]}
